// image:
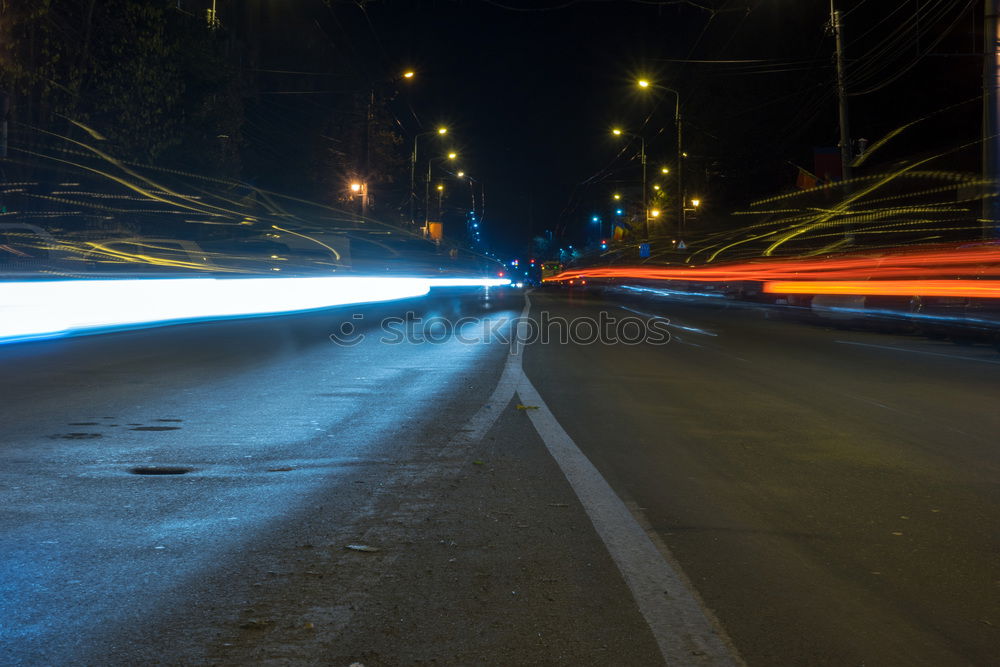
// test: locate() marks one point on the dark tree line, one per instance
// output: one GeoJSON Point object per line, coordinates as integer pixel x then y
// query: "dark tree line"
{"type": "Point", "coordinates": [155, 82]}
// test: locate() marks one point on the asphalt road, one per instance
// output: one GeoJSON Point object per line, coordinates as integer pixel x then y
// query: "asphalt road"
{"type": "Point", "coordinates": [830, 495]}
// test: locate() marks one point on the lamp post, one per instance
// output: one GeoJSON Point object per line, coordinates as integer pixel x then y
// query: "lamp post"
{"type": "Point", "coordinates": [427, 185]}
{"type": "Point", "coordinates": [642, 152]}
{"type": "Point", "coordinates": [645, 84]}
{"type": "Point", "coordinates": [461, 175]}
{"type": "Point", "coordinates": [413, 168]}
{"type": "Point", "coordinates": [361, 189]}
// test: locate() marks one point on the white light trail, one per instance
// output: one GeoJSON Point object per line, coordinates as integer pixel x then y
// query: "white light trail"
{"type": "Point", "coordinates": [32, 310]}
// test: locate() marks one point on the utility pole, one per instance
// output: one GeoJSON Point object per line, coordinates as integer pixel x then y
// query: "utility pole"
{"type": "Point", "coordinates": [413, 180]}
{"type": "Point", "coordinates": [645, 204]}
{"type": "Point", "coordinates": [991, 116]}
{"type": "Point", "coordinates": [845, 132]}
{"type": "Point", "coordinates": [367, 148]}
{"type": "Point", "coordinates": [681, 219]}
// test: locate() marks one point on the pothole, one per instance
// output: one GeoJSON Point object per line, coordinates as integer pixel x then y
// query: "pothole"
{"type": "Point", "coordinates": [159, 470]}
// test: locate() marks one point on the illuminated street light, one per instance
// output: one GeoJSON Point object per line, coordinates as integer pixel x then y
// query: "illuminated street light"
{"type": "Point", "coordinates": [665, 170]}
{"type": "Point", "coordinates": [695, 203]}
{"type": "Point", "coordinates": [359, 188]}
{"type": "Point", "coordinates": [427, 184]}
{"type": "Point", "coordinates": [413, 169]}
{"type": "Point", "coordinates": [642, 157]}
{"type": "Point", "coordinates": [646, 84]}
{"type": "Point", "coordinates": [408, 74]}
{"type": "Point", "coordinates": [461, 174]}
{"type": "Point", "coordinates": [656, 187]}
{"type": "Point", "coordinates": [617, 196]}
{"type": "Point", "coordinates": [655, 213]}
{"type": "Point", "coordinates": [440, 189]}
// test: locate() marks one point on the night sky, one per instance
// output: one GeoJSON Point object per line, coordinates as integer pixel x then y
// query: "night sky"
{"type": "Point", "coordinates": [530, 93]}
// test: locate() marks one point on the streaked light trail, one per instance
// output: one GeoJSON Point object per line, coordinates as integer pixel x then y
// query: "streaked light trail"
{"type": "Point", "coordinates": [33, 310]}
{"type": "Point", "coordinates": [969, 271]}
{"type": "Point", "coordinates": [959, 288]}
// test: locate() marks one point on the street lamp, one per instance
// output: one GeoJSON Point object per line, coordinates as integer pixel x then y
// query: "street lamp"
{"type": "Point", "coordinates": [427, 185]}
{"type": "Point", "coordinates": [600, 224]}
{"type": "Point", "coordinates": [361, 189]}
{"type": "Point", "coordinates": [642, 151]}
{"type": "Point", "coordinates": [646, 84]}
{"type": "Point", "coordinates": [616, 196]}
{"type": "Point", "coordinates": [472, 193]}
{"type": "Point", "coordinates": [369, 120]}
{"type": "Point", "coordinates": [413, 166]}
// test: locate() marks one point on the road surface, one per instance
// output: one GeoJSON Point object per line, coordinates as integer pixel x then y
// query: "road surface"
{"type": "Point", "coordinates": [761, 490]}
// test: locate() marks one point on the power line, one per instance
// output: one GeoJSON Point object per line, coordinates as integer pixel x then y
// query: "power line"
{"type": "Point", "coordinates": [915, 61]}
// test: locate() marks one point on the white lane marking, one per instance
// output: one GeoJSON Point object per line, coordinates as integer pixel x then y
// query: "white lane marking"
{"type": "Point", "coordinates": [480, 423]}
{"type": "Point", "coordinates": [904, 349]}
{"type": "Point", "coordinates": [685, 632]}
{"type": "Point", "coordinates": [669, 323]}
{"type": "Point", "coordinates": [683, 629]}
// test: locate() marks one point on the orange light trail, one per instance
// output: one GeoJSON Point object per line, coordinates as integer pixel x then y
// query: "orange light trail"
{"type": "Point", "coordinates": [959, 288]}
{"type": "Point", "coordinates": [939, 271]}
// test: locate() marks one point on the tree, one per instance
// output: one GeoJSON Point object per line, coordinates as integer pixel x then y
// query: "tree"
{"type": "Point", "coordinates": [157, 85]}
{"type": "Point", "coordinates": [354, 139]}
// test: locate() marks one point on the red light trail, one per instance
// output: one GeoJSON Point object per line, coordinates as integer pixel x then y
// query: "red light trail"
{"type": "Point", "coordinates": [960, 288]}
{"type": "Point", "coordinates": [962, 271]}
